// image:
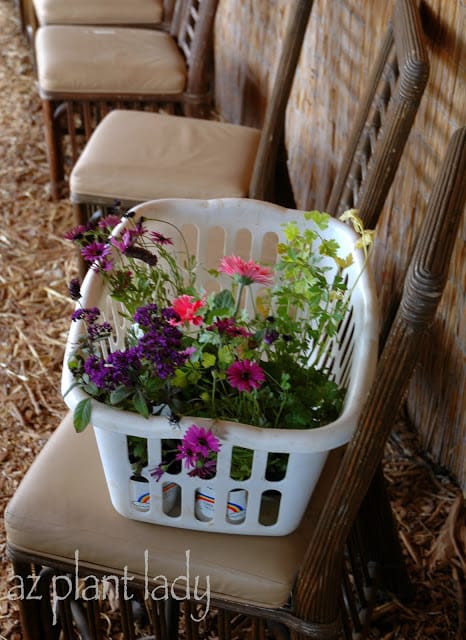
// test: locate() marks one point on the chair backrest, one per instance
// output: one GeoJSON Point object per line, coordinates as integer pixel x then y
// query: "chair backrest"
{"type": "Point", "coordinates": [168, 10]}
{"type": "Point", "coordinates": [317, 588]}
{"type": "Point", "coordinates": [192, 27]}
{"type": "Point", "coordinates": [384, 118]}
{"type": "Point", "coordinates": [272, 135]}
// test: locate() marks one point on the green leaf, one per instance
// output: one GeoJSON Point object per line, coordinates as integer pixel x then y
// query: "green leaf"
{"type": "Point", "coordinates": [224, 300]}
{"type": "Point", "coordinates": [119, 394]}
{"type": "Point", "coordinates": [208, 360]}
{"type": "Point", "coordinates": [329, 247]}
{"type": "Point", "coordinates": [179, 379]}
{"type": "Point", "coordinates": [82, 415]}
{"type": "Point", "coordinates": [225, 355]}
{"type": "Point", "coordinates": [140, 404]}
{"type": "Point", "coordinates": [320, 218]}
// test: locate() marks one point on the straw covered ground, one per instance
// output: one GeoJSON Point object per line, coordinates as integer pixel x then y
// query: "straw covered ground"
{"type": "Point", "coordinates": [35, 265]}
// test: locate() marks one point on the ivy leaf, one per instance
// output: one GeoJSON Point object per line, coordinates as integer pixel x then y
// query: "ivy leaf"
{"type": "Point", "coordinates": [82, 415]}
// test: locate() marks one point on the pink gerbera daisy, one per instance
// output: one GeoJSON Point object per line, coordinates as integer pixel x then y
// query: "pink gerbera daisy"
{"type": "Point", "coordinates": [245, 375]}
{"type": "Point", "coordinates": [245, 272]}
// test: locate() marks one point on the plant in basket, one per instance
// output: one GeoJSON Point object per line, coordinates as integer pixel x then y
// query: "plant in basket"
{"type": "Point", "coordinates": [251, 351]}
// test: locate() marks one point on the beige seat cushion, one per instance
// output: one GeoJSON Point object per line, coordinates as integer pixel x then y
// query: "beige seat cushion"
{"type": "Point", "coordinates": [108, 60]}
{"type": "Point", "coordinates": [148, 12]}
{"type": "Point", "coordinates": [135, 156]}
{"type": "Point", "coordinates": [62, 506]}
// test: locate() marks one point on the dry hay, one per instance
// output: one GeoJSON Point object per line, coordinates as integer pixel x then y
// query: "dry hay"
{"type": "Point", "coordinates": [35, 265]}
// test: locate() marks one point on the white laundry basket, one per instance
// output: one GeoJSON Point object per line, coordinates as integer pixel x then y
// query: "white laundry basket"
{"type": "Point", "coordinates": [258, 505]}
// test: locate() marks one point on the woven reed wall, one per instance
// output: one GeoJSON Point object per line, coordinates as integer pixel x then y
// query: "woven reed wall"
{"type": "Point", "coordinates": [339, 46]}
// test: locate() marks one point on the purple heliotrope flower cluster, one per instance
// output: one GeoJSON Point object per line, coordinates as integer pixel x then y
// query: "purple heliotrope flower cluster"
{"type": "Point", "coordinates": [197, 451]}
{"type": "Point", "coordinates": [160, 346]}
{"type": "Point", "coordinates": [95, 330]}
{"type": "Point", "coordinates": [119, 368]}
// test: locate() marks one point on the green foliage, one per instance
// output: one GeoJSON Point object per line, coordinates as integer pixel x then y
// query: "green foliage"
{"type": "Point", "coordinates": [82, 415]}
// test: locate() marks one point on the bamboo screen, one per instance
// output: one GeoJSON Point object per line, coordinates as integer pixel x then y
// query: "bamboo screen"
{"type": "Point", "coordinates": [340, 44]}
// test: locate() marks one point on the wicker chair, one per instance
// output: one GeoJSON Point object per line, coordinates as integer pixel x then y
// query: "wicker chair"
{"type": "Point", "coordinates": [27, 17]}
{"type": "Point", "coordinates": [61, 528]}
{"type": "Point", "coordinates": [84, 72]}
{"type": "Point", "coordinates": [191, 157]}
{"type": "Point", "coordinates": [149, 14]}
{"type": "Point", "coordinates": [133, 156]}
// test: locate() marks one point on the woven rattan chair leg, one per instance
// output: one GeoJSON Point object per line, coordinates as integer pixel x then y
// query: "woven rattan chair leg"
{"type": "Point", "coordinates": [54, 149]}
{"type": "Point", "coordinates": [190, 627]}
{"type": "Point", "coordinates": [29, 606]}
{"type": "Point", "coordinates": [64, 610]}
{"type": "Point", "coordinates": [283, 189]}
{"type": "Point", "coordinates": [223, 624]}
{"type": "Point", "coordinates": [258, 629]}
{"type": "Point", "coordinates": [381, 543]}
{"type": "Point", "coordinates": [127, 621]}
{"type": "Point", "coordinates": [94, 621]}
{"type": "Point", "coordinates": [172, 613]}
{"type": "Point", "coordinates": [277, 631]}
{"type": "Point", "coordinates": [20, 7]}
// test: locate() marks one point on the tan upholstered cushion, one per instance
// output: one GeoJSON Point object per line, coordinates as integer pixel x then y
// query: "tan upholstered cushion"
{"type": "Point", "coordinates": [99, 11]}
{"type": "Point", "coordinates": [108, 60]}
{"type": "Point", "coordinates": [135, 156]}
{"type": "Point", "coordinates": [62, 506]}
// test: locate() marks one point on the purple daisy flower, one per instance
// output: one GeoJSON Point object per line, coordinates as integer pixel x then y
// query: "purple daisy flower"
{"type": "Point", "coordinates": [206, 471]}
{"type": "Point", "coordinates": [201, 440]}
{"type": "Point", "coordinates": [126, 239]}
{"type": "Point", "coordinates": [245, 375]}
{"type": "Point", "coordinates": [158, 472]}
{"type": "Point", "coordinates": [95, 251]}
{"type": "Point", "coordinates": [109, 221]}
{"type": "Point", "coordinates": [187, 454]}
{"type": "Point", "coordinates": [159, 238]}
{"type": "Point", "coordinates": [271, 336]}
{"type": "Point", "coordinates": [76, 233]}
{"type": "Point", "coordinates": [228, 327]}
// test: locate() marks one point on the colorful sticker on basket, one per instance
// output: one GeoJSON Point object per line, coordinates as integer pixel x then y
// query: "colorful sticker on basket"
{"type": "Point", "coordinates": [168, 486]}
{"type": "Point", "coordinates": [143, 500]}
{"type": "Point", "coordinates": [236, 511]}
{"type": "Point", "coordinates": [233, 508]}
{"type": "Point", "coordinates": [205, 505]}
